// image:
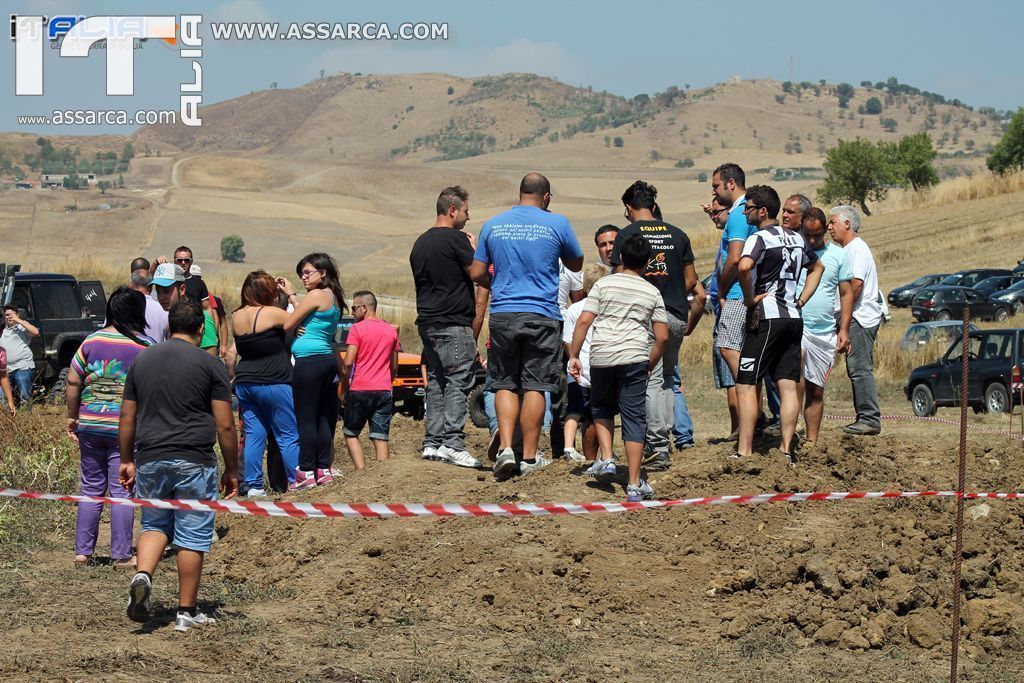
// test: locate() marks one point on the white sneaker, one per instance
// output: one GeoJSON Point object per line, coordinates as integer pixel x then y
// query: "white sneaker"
{"type": "Point", "coordinates": [527, 467]}
{"type": "Point", "coordinates": [431, 453]}
{"type": "Point", "coordinates": [185, 621]}
{"type": "Point", "coordinates": [460, 458]}
{"type": "Point", "coordinates": [505, 464]}
{"type": "Point", "coordinates": [256, 493]}
{"type": "Point", "coordinates": [574, 455]}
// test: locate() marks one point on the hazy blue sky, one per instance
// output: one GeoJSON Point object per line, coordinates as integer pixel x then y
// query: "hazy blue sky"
{"type": "Point", "coordinates": [965, 50]}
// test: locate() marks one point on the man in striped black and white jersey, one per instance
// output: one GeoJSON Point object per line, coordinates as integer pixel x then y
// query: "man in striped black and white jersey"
{"type": "Point", "coordinates": [769, 270]}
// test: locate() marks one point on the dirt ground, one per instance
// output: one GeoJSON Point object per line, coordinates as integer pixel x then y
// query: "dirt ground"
{"type": "Point", "coordinates": [846, 591]}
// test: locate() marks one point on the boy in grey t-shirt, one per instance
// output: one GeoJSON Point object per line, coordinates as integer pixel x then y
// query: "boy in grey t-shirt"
{"type": "Point", "coordinates": [622, 308]}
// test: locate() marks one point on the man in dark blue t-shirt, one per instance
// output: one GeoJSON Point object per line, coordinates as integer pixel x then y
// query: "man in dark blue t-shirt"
{"type": "Point", "coordinates": [525, 245]}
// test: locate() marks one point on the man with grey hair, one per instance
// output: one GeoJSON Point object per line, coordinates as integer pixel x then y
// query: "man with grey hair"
{"type": "Point", "coordinates": [844, 226]}
{"type": "Point", "coordinates": [793, 210]}
{"type": "Point", "coordinates": [445, 307]}
{"type": "Point", "coordinates": [156, 316]}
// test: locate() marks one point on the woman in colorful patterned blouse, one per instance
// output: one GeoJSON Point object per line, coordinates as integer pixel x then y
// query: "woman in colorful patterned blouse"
{"type": "Point", "coordinates": [95, 384]}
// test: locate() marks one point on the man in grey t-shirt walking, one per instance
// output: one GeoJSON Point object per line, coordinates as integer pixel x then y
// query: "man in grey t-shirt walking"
{"type": "Point", "coordinates": [177, 403]}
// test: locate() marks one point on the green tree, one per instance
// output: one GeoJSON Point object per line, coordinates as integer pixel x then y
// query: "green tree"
{"type": "Point", "coordinates": [618, 142]}
{"type": "Point", "coordinates": [858, 171]}
{"type": "Point", "coordinates": [873, 106]}
{"type": "Point", "coordinates": [1008, 154]}
{"type": "Point", "coordinates": [702, 177]}
{"type": "Point", "coordinates": [844, 90]}
{"type": "Point", "coordinates": [120, 181]}
{"type": "Point", "coordinates": [912, 161]}
{"type": "Point", "coordinates": [104, 185]}
{"type": "Point", "coordinates": [72, 181]}
{"type": "Point", "coordinates": [128, 153]}
{"type": "Point", "coordinates": [889, 125]}
{"type": "Point", "coordinates": [231, 249]}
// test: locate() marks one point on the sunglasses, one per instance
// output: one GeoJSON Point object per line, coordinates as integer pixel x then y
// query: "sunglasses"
{"type": "Point", "coordinates": [752, 206]}
{"type": "Point", "coordinates": [183, 260]}
{"type": "Point", "coordinates": [308, 273]}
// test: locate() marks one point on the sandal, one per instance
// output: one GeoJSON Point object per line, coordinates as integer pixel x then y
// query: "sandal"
{"type": "Point", "coordinates": [129, 562]}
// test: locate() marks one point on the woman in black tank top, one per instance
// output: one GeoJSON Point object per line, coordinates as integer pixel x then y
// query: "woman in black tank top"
{"type": "Point", "coordinates": [263, 376]}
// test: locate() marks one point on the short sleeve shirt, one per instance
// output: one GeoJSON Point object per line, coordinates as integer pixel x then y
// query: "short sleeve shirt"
{"type": "Point", "coordinates": [572, 316]}
{"type": "Point", "coordinates": [568, 282]}
{"type": "Point", "coordinates": [16, 341]}
{"type": "Point", "coordinates": [867, 310]}
{"type": "Point", "coordinates": [173, 384]}
{"type": "Point", "coordinates": [779, 255]}
{"type": "Point", "coordinates": [625, 306]}
{"type": "Point", "coordinates": [377, 341]}
{"type": "Point", "coordinates": [444, 292]}
{"type": "Point", "coordinates": [670, 252]}
{"type": "Point", "coordinates": [525, 245]}
{"type": "Point", "coordinates": [736, 230]}
{"type": "Point", "coordinates": [101, 364]}
{"type": "Point", "coordinates": [819, 311]}
{"type": "Point", "coordinates": [196, 289]}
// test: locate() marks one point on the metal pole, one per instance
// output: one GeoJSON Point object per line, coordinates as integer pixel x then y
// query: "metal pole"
{"type": "Point", "coordinates": [960, 485]}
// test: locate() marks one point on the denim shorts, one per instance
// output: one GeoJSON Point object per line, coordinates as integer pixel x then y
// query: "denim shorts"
{"type": "Point", "coordinates": [375, 407]}
{"type": "Point", "coordinates": [720, 370]}
{"type": "Point", "coordinates": [183, 480]}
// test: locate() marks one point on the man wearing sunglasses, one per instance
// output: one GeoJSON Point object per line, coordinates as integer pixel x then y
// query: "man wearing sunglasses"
{"type": "Point", "coordinates": [196, 290]}
{"type": "Point", "coordinates": [769, 272]}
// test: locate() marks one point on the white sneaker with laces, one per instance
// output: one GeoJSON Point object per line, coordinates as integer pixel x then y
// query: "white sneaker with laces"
{"type": "Point", "coordinates": [574, 455]}
{"type": "Point", "coordinates": [256, 493]}
{"type": "Point", "coordinates": [505, 463]}
{"type": "Point", "coordinates": [185, 621]}
{"type": "Point", "coordinates": [460, 458]}
{"type": "Point", "coordinates": [528, 467]}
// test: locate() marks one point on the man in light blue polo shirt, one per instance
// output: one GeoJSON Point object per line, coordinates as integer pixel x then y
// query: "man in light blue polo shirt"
{"type": "Point", "coordinates": [821, 339]}
{"type": "Point", "coordinates": [728, 183]}
{"type": "Point", "coordinates": [525, 245]}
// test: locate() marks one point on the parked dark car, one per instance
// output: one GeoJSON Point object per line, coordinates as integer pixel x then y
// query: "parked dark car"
{"type": "Point", "coordinates": [969, 278]}
{"type": "Point", "coordinates": [1014, 294]}
{"type": "Point", "coordinates": [1019, 270]}
{"type": "Point", "coordinates": [948, 303]}
{"type": "Point", "coordinates": [920, 335]}
{"type": "Point", "coordinates": [903, 296]}
{"type": "Point", "coordinates": [992, 356]}
{"type": "Point", "coordinates": [993, 284]}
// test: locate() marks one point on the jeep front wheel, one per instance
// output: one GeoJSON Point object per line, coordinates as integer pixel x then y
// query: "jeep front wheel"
{"type": "Point", "coordinates": [55, 396]}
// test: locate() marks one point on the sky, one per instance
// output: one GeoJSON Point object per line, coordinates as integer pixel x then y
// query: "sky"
{"type": "Point", "coordinates": [954, 48]}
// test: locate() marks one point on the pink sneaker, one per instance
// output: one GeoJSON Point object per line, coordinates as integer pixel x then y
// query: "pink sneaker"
{"type": "Point", "coordinates": [303, 480]}
{"type": "Point", "coordinates": [324, 477]}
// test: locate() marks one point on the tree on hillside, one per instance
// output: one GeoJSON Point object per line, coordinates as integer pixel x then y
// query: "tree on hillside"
{"type": "Point", "coordinates": [912, 161]}
{"type": "Point", "coordinates": [104, 185]}
{"type": "Point", "coordinates": [618, 142]}
{"type": "Point", "coordinates": [873, 106]}
{"type": "Point", "coordinates": [844, 90]}
{"type": "Point", "coordinates": [72, 182]}
{"type": "Point", "coordinates": [231, 249]}
{"type": "Point", "coordinates": [1008, 154]}
{"type": "Point", "coordinates": [858, 171]}
{"type": "Point", "coordinates": [128, 153]}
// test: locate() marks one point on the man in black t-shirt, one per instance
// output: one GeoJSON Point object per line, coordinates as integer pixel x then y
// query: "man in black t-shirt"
{"type": "Point", "coordinates": [445, 307]}
{"type": "Point", "coordinates": [176, 404]}
{"type": "Point", "coordinates": [671, 271]}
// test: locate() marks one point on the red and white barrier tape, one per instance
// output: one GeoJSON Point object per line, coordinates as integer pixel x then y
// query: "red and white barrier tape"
{"type": "Point", "coordinates": [979, 428]}
{"type": "Point", "coordinates": [267, 508]}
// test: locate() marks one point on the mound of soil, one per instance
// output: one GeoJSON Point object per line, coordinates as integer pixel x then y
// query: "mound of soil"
{"type": "Point", "coordinates": [568, 597]}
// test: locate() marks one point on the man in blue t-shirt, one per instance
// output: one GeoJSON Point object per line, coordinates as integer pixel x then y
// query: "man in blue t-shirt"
{"type": "Point", "coordinates": [525, 245]}
{"type": "Point", "coordinates": [820, 338]}
{"type": "Point", "coordinates": [728, 182]}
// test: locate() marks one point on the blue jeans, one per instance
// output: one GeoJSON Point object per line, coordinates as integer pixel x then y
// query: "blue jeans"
{"type": "Point", "coordinates": [22, 382]}
{"type": "Point", "coordinates": [183, 480]}
{"type": "Point", "coordinates": [448, 353]}
{"type": "Point", "coordinates": [682, 429]}
{"type": "Point", "coordinates": [268, 408]}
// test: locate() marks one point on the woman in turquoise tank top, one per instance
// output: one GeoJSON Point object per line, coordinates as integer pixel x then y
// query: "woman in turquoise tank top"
{"type": "Point", "coordinates": [315, 376]}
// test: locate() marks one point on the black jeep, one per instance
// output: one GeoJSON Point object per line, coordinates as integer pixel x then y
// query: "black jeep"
{"type": "Point", "coordinates": [65, 310]}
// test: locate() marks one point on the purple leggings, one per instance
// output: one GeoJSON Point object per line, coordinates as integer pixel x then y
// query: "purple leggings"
{"type": "Point", "coordinates": [100, 461]}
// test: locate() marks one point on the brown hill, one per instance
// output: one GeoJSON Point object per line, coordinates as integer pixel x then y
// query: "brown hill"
{"type": "Point", "coordinates": [421, 117]}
